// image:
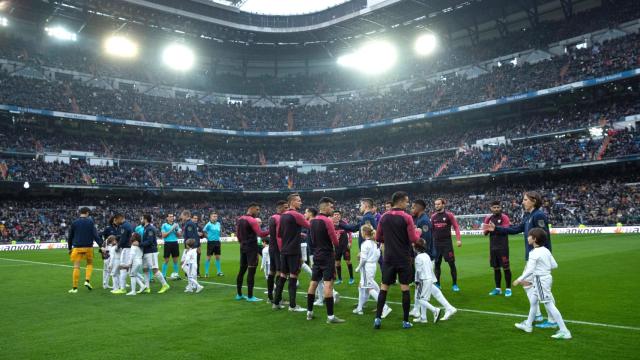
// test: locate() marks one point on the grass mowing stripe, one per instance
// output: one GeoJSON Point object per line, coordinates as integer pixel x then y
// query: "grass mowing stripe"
{"type": "Point", "coordinates": [352, 298]}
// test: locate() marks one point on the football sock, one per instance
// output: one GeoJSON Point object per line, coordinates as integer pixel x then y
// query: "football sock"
{"type": "Point", "coordinates": [382, 299]}
{"type": "Point", "coordinates": [250, 281]}
{"type": "Point", "coordinates": [406, 304]}
{"type": "Point", "coordinates": [270, 283]}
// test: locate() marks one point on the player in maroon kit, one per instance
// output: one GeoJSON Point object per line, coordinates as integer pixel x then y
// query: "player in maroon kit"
{"type": "Point", "coordinates": [289, 230]}
{"type": "Point", "coordinates": [397, 232]}
{"type": "Point", "coordinates": [442, 221]}
{"type": "Point", "coordinates": [499, 249]}
{"type": "Point", "coordinates": [325, 240]}
{"type": "Point", "coordinates": [248, 230]}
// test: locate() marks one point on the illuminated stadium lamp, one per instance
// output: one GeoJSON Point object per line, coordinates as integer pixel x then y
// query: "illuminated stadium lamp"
{"type": "Point", "coordinates": [4, 22]}
{"type": "Point", "coordinates": [121, 47]}
{"type": "Point", "coordinates": [178, 57]}
{"type": "Point", "coordinates": [26, 185]}
{"type": "Point", "coordinates": [425, 44]}
{"type": "Point", "coordinates": [372, 58]}
{"type": "Point", "coordinates": [60, 33]}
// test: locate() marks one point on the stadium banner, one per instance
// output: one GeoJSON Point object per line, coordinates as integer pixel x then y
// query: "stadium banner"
{"type": "Point", "coordinates": [405, 119]}
{"type": "Point", "coordinates": [554, 231]}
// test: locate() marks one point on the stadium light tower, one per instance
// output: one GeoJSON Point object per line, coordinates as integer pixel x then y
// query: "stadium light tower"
{"type": "Point", "coordinates": [120, 46]}
{"type": "Point", "coordinates": [178, 57]}
{"type": "Point", "coordinates": [425, 44]}
{"type": "Point", "coordinates": [60, 33]}
{"type": "Point", "coordinates": [372, 58]}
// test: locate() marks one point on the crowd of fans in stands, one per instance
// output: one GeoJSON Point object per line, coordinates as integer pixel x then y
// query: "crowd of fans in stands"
{"type": "Point", "coordinates": [568, 203]}
{"type": "Point", "coordinates": [442, 135]}
{"type": "Point", "coordinates": [85, 59]}
{"type": "Point", "coordinates": [610, 57]}
{"type": "Point", "coordinates": [529, 154]}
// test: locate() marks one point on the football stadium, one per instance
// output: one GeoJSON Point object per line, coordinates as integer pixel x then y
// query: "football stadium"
{"type": "Point", "coordinates": [320, 179]}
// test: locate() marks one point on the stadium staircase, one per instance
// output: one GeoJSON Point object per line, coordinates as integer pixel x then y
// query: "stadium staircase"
{"type": "Point", "coordinates": [137, 110]}
{"type": "Point", "coordinates": [497, 166]}
{"type": "Point", "coordinates": [196, 119]}
{"type": "Point", "coordinates": [107, 151]}
{"type": "Point", "coordinates": [72, 99]}
{"type": "Point", "coordinates": [442, 168]}
{"type": "Point", "coordinates": [603, 147]}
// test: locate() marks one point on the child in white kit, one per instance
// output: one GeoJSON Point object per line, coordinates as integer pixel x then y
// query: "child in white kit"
{"type": "Point", "coordinates": [110, 250]}
{"type": "Point", "coordinates": [425, 280]}
{"type": "Point", "coordinates": [190, 267]}
{"type": "Point", "coordinates": [537, 273]}
{"type": "Point", "coordinates": [367, 267]}
{"type": "Point", "coordinates": [135, 265]}
{"type": "Point", "coordinates": [266, 260]}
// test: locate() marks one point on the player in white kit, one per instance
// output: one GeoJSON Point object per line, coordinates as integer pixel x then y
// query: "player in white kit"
{"type": "Point", "coordinates": [135, 265]}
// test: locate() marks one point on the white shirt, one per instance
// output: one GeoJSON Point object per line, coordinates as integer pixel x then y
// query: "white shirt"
{"type": "Point", "coordinates": [190, 257]}
{"type": "Point", "coordinates": [265, 256]}
{"type": "Point", "coordinates": [369, 252]}
{"type": "Point", "coordinates": [540, 263]}
{"type": "Point", "coordinates": [424, 268]}
{"type": "Point", "coordinates": [111, 249]}
{"type": "Point", "coordinates": [136, 254]}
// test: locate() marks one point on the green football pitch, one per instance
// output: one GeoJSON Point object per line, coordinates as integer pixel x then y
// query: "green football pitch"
{"type": "Point", "coordinates": [596, 287]}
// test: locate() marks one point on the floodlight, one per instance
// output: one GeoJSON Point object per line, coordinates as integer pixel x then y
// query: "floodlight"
{"type": "Point", "coordinates": [178, 57]}
{"type": "Point", "coordinates": [121, 46]}
{"type": "Point", "coordinates": [425, 44]}
{"type": "Point", "coordinates": [372, 58]}
{"type": "Point", "coordinates": [61, 33]}
{"type": "Point", "coordinates": [4, 22]}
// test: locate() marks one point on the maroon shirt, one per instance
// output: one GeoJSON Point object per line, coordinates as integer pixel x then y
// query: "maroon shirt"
{"type": "Point", "coordinates": [324, 237]}
{"type": "Point", "coordinates": [248, 230]}
{"type": "Point", "coordinates": [397, 231]}
{"type": "Point", "coordinates": [498, 241]}
{"type": "Point", "coordinates": [289, 229]}
{"type": "Point", "coordinates": [442, 223]}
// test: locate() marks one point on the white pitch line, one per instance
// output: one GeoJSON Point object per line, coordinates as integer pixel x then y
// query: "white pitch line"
{"type": "Point", "coordinates": [352, 298]}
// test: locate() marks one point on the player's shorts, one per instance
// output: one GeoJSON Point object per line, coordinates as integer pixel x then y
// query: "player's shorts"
{"type": "Point", "coordinates": [171, 249]}
{"type": "Point", "coordinates": [423, 289]}
{"type": "Point", "coordinates": [274, 260]}
{"type": "Point", "coordinates": [324, 269]}
{"type": "Point", "coordinates": [445, 251]}
{"type": "Point", "coordinates": [499, 258]}
{"type": "Point", "coordinates": [541, 286]}
{"type": "Point", "coordinates": [249, 258]}
{"type": "Point", "coordinates": [368, 275]}
{"type": "Point", "coordinates": [213, 248]}
{"type": "Point", "coordinates": [191, 270]}
{"type": "Point", "coordinates": [393, 271]}
{"type": "Point", "coordinates": [150, 260]}
{"type": "Point", "coordinates": [125, 256]}
{"type": "Point", "coordinates": [80, 253]}
{"type": "Point", "coordinates": [303, 252]}
{"type": "Point", "coordinates": [290, 264]}
{"type": "Point", "coordinates": [114, 264]}
{"type": "Point", "coordinates": [343, 252]}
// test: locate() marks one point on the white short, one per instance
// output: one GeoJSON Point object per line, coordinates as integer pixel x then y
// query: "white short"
{"type": "Point", "coordinates": [423, 289]}
{"type": "Point", "coordinates": [150, 260]}
{"type": "Point", "coordinates": [368, 276]}
{"type": "Point", "coordinates": [136, 268]}
{"type": "Point", "coordinates": [303, 252]}
{"type": "Point", "coordinates": [190, 269]}
{"type": "Point", "coordinates": [541, 288]}
{"type": "Point", "coordinates": [114, 264]}
{"type": "Point", "coordinates": [125, 256]}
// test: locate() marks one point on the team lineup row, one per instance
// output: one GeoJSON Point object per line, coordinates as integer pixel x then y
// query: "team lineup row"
{"type": "Point", "coordinates": [409, 249]}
